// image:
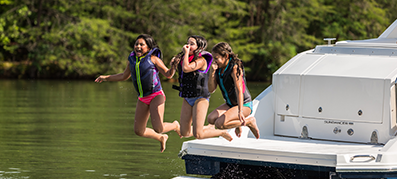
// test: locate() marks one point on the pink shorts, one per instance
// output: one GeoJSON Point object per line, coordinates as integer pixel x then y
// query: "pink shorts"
{"type": "Point", "coordinates": [149, 98]}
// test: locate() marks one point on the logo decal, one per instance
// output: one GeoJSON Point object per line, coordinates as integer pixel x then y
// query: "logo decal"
{"type": "Point", "coordinates": [339, 122]}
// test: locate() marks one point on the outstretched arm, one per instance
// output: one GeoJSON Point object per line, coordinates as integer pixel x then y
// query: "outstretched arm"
{"type": "Point", "coordinates": [169, 73]}
{"type": "Point", "coordinates": [117, 77]}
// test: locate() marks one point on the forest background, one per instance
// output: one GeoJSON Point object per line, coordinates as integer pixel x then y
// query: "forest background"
{"type": "Point", "coordinates": [70, 39]}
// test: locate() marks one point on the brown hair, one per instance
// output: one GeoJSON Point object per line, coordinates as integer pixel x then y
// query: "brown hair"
{"type": "Point", "coordinates": [224, 49]}
{"type": "Point", "coordinates": [201, 46]}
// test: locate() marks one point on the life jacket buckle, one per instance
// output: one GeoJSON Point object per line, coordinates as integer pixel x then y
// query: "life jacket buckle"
{"type": "Point", "coordinates": [176, 87]}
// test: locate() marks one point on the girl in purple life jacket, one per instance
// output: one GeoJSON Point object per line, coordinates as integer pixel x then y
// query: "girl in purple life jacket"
{"type": "Point", "coordinates": [193, 64]}
{"type": "Point", "coordinates": [144, 65]}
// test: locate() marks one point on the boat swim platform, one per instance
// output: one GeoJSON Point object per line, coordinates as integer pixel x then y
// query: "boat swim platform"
{"type": "Point", "coordinates": [279, 150]}
{"type": "Point", "coordinates": [291, 153]}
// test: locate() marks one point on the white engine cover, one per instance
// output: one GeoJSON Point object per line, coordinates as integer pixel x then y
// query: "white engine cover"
{"type": "Point", "coordinates": [337, 96]}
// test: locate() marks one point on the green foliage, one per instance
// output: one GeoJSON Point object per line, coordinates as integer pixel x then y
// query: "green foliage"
{"type": "Point", "coordinates": [85, 38]}
{"type": "Point", "coordinates": [354, 20]}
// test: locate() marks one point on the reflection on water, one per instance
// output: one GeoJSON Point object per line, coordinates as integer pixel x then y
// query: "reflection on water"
{"type": "Point", "coordinates": [81, 129]}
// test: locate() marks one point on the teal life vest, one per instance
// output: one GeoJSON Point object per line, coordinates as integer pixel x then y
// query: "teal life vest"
{"type": "Point", "coordinates": [227, 86]}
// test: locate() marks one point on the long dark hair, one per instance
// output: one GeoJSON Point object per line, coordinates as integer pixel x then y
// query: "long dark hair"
{"type": "Point", "coordinates": [224, 49]}
{"type": "Point", "coordinates": [201, 46]}
{"type": "Point", "coordinates": [149, 41]}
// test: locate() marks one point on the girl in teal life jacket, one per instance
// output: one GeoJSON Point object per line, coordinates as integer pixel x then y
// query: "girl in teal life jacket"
{"type": "Point", "coordinates": [193, 65]}
{"type": "Point", "coordinates": [144, 65]}
{"type": "Point", "coordinates": [228, 73]}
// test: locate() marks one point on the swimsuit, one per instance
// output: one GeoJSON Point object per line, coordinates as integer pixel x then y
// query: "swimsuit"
{"type": "Point", "coordinates": [191, 101]}
{"type": "Point", "coordinates": [149, 98]}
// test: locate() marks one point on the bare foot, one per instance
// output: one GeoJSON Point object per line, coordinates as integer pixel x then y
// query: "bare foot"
{"type": "Point", "coordinates": [178, 129]}
{"type": "Point", "coordinates": [253, 127]}
{"type": "Point", "coordinates": [238, 131]}
{"type": "Point", "coordinates": [163, 141]}
{"type": "Point", "coordinates": [227, 136]}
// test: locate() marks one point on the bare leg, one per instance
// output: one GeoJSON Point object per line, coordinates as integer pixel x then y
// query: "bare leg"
{"type": "Point", "coordinates": [209, 126]}
{"type": "Point", "coordinates": [238, 131]}
{"type": "Point", "coordinates": [178, 128]}
{"type": "Point", "coordinates": [141, 119]}
{"type": "Point", "coordinates": [219, 111]}
{"type": "Point", "coordinates": [251, 123]}
{"type": "Point", "coordinates": [186, 120]}
{"type": "Point", "coordinates": [230, 119]}
{"type": "Point", "coordinates": [163, 141]}
{"type": "Point", "coordinates": [157, 116]}
{"type": "Point", "coordinates": [215, 114]}
{"type": "Point", "coordinates": [199, 113]}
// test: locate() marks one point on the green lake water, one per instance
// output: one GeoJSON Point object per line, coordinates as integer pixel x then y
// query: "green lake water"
{"type": "Point", "coordinates": [82, 129]}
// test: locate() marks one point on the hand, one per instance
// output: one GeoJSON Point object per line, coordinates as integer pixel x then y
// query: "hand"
{"type": "Point", "coordinates": [174, 62]}
{"type": "Point", "coordinates": [100, 79]}
{"type": "Point", "coordinates": [186, 49]}
{"type": "Point", "coordinates": [214, 65]}
{"type": "Point", "coordinates": [241, 117]}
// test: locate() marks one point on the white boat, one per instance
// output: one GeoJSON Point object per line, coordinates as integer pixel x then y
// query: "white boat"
{"type": "Point", "coordinates": [330, 111]}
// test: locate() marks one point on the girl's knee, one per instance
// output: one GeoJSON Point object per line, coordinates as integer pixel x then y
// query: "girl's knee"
{"type": "Point", "coordinates": [185, 132]}
{"type": "Point", "coordinates": [211, 119]}
{"type": "Point", "coordinates": [139, 132]}
{"type": "Point", "coordinates": [159, 129]}
{"type": "Point", "coordinates": [219, 124]}
{"type": "Point", "coordinates": [198, 135]}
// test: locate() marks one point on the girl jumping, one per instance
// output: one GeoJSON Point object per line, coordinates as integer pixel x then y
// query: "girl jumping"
{"type": "Point", "coordinates": [193, 64]}
{"type": "Point", "coordinates": [144, 65]}
{"type": "Point", "coordinates": [228, 72]}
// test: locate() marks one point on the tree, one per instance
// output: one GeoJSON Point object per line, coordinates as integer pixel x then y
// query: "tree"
{"type": "Point", "coordinates": [85, 38]}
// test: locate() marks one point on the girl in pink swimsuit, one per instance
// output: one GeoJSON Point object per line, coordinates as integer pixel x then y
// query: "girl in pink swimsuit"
{"type": "Point", "coordinates": [143, 67]}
